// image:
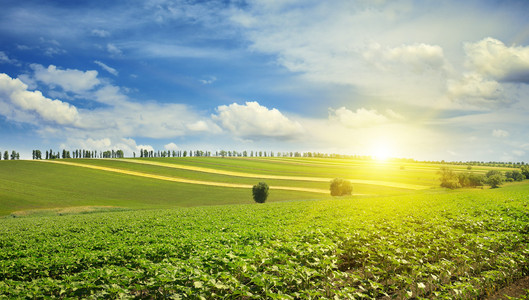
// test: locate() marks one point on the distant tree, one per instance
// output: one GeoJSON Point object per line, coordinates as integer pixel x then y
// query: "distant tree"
{"type": "Point", "coordinates": [449, 179]}
{"type": "Point", "coordinates": [494, 178]}
{"type": "Point", "coordinates": [525, 171]}
{"type": "Point", "coordinates": [515, 175]}
{"type": "Point", "coordinates": [13, 155]}
{"type": "Point", "coordinates": [260, 192]}
{"type": "Point", "coordinates": [471, 179]}
{"type": "Point", "coordinates": [185, 153]}
{"type": "Point", "coordinates": [341, 187]}
{"type": "Point", "coordinates": [495, 181]}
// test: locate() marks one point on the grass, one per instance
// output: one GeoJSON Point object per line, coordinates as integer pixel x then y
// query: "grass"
{"type": "Point", "coordinates": [35, 185]}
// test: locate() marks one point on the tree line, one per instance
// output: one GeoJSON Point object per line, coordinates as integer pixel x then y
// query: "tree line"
{"type": "Point", "coordinates": [78, 153]}
{"type": "Point", "coordinates": [14, 155]}
{"type": "Point", "coordinates": [452, 180]}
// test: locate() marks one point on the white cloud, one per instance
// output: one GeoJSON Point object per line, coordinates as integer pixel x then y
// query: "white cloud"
{"type": "Point", "coordinates": [113, 49]}
{"type": "Point", "coordinates": [254, 121]}
{"type": "Point", "coordinates": [474, 86]}
{"type": "Point", "coordinates": [69, 80]}
{"type": "Point", "coordinates": [128, 145]}
{"type": "Point", "coordinates": [100, 33]}
{"type": "Point", "coordinates": [5, 59]}
{"type": "Point", "coordinates": [171, 147]}
{"type": "Point", "coordinates": [499, 133]}
{"type": "Point", "coordinates": [416, 57]}
{"type": "Point", "coordinates": [361, 118]}
{"type": "Point", "coordinates": [209, 80]}
{"type": "Point", "coordinates": [491, 57]}
{"type": "Point", "coordinates": [107, 68]}
{"type": "Point", "coordinates": [16, 101]}
{"type": "Point", "coordinates": [394, 115]}
{"type": "Point", "coordinates": [199, 126]}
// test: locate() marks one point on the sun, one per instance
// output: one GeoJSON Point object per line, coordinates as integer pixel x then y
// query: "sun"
{"type": "Point", "coordinates": [382, 150]}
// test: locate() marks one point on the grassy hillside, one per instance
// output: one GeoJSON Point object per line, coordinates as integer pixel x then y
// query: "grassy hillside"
{"type": "Point", "coordinates": [28, 185]}
{"type": "Point", "coordinates": [426, 244]}
{"type": "Point", "coordinates": [32, 185]}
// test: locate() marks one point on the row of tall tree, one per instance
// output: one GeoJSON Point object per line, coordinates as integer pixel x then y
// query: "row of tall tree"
{"type": "Point", "coordinates": [78, 153]}
{"type": "Point", "coordinates": [14, 155]}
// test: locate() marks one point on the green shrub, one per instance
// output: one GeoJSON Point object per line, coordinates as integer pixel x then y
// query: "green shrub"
{"type": "Point", "coordinates": [260, 192]}
{"type": "Point", "coordinates": [449, 179]}
{"type": "Point", "coordinates": [525, 171]}
{"type": "Point", "coordinates": [341, 187]}
{"type": "Point", "coordinates": [495, 180]}
{"type": "Point", "coordinates": [515, 175]}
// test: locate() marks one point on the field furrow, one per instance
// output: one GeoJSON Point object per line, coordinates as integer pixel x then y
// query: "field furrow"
{"type": "Point", "coordinates": [278, 177]}
{"type": "Point", "coordinates": [185, 180]}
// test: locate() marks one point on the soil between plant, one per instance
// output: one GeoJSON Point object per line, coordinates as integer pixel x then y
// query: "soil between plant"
{"type": "Point", "coordinates": [518, 290]}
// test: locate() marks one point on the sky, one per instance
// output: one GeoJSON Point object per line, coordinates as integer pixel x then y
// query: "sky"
{"type": "Point", "coordinates": [428, 80]}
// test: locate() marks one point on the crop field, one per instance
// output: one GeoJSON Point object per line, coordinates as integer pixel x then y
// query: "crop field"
{"type": "Point", "coordinates": [126, 229]}
{"type": "Point", "coordinates": [26, 185]}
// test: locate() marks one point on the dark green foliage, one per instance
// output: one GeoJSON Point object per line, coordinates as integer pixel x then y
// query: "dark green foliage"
{"type": "Point", "coordinates": [525, 171]}
{"type": "Point", "coordinates": [495, 181]}
{"type": "Point", "coordinates": [514, 175]}
{"type": "Point", "coordinates": [494, 178]}
{"type": "Point", "coordinates": [452, 180]}
{"type": "Point", "coordinates": [341, 187]}
{"type": "Point", "coordinates": [260, 192]}
{"type": "Point", "coordinates": [493, 172]}
{"type": "Point", "coordinates": [449, 178]}
{"type": "Point", "coordinates": [470, 179]}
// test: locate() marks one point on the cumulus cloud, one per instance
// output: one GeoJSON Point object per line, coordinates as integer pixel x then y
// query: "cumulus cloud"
{"type": "Point", "coordinates": [474, 86]}
{"type": "Point", "coordinates": [491, 57]}
{"type": "Point", "coordinates": [254, 121]}
{"type": "Point", "coordinates": [362, 117]}
{"type": "Point", "coordinates": [499, 133]}
{"type": "Point", "coordinates": [69, 80]}
{"type": "Point", "coordinates": [171, 147]}
{"type": "Point", "coordinates": [107, 68]}
{"type": "Point", "coordinates": [16, 98]}
{"type": "Point", "coordinates": [199, 126]}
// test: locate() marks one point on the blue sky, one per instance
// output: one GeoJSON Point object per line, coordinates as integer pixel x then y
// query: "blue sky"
{"type": "Point", "coordinates": [429, 80]}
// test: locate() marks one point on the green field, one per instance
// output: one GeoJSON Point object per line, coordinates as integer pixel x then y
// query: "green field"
{"type": "Point", "coordinates": [76, 232]}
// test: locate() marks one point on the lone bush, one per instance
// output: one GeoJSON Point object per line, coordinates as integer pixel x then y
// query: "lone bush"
{"type": "Point", "coordinates": [341, 187]}
{"type": "Point", "coordinates": [260, 192]}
